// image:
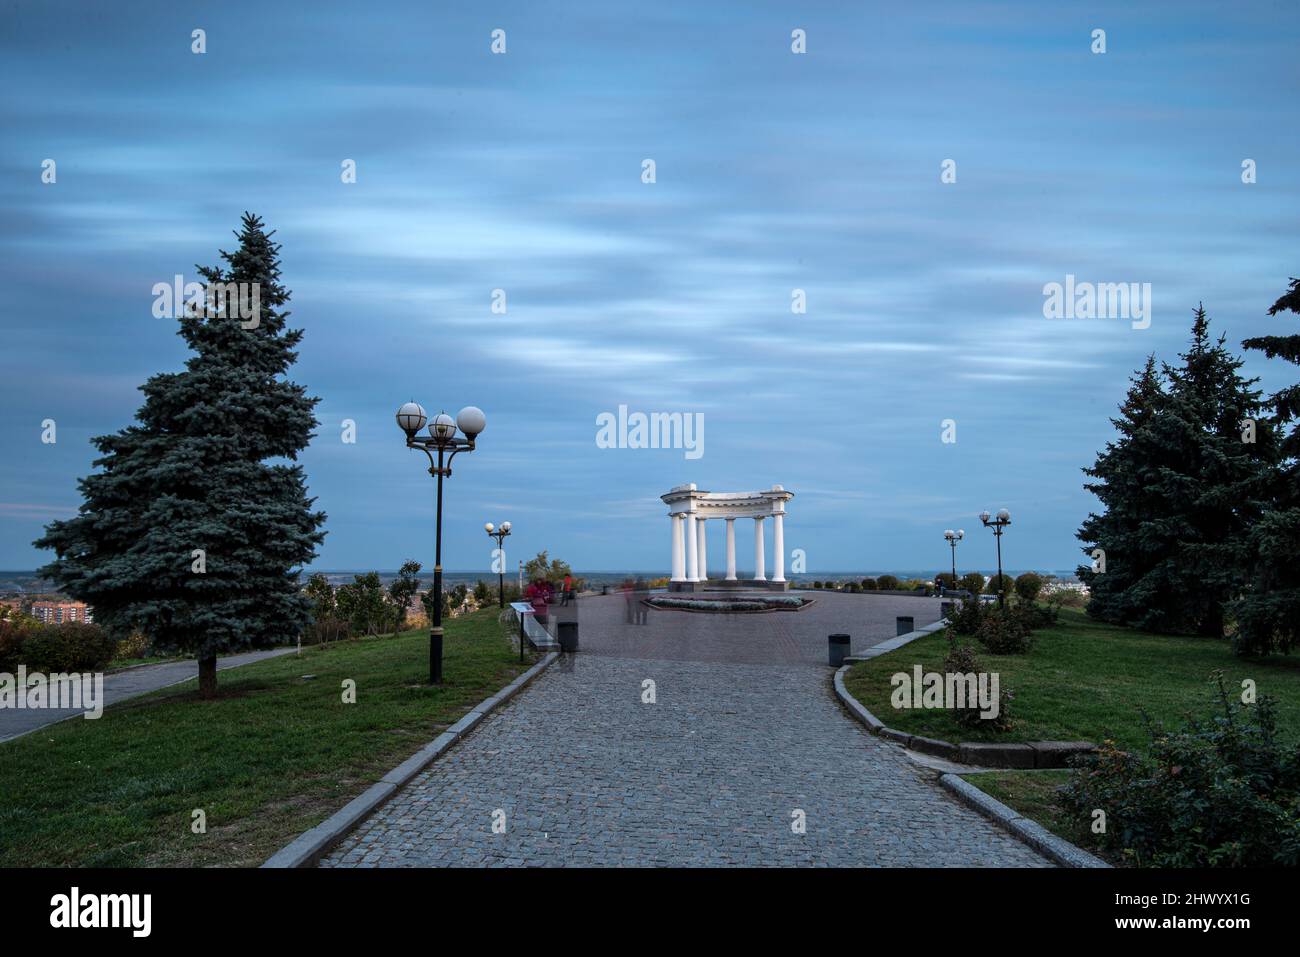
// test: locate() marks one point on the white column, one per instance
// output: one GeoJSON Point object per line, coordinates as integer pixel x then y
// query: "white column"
{"type": "Point", "coordinates": [778, 546]}
{"type": "Point", "coordinates": [692, 553]}
{"type": "Point", "coordinates": [760, 569]}
{"type": "Point", "coordinates": [679, 550]}
{"type": "Point", "coordinates": [731, 549]}
{"type": "Point", "coordinates": [704, 550]}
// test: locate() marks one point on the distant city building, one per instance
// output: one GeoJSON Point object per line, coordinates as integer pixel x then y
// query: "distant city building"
{"type": "Point", "coordinates": [58, 612]}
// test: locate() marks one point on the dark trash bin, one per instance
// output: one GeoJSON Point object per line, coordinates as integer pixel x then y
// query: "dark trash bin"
{"type": "Point", "coordinates": [904, 624]}
{"type": "Point", "coordinates": [839, 649]}
{"type": "Point", "coordinates": [567, 635]}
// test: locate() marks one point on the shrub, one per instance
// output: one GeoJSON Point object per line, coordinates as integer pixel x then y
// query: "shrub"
{"type": "Point", "coordinates": [886, 582]}
{"type": "Point", "coordinates": [946, 579]}
{"type": "Point", "coordinates": [965, 616]}
{"type": "Point", "coordinates": [1216, 792]}
{"type": "Point", "coordinates": [1008, 585]}
{"type": "Point", "coordinates": [972, 582]}
{"type": "Point", "coordinates": [13, 636]}
{"type": "Point", "coordinates": [853, 587]}
{"type": "Point", "coordinates": [1002, 631]}
{"type": "Point", "coordinates": [817, 584]}
{"type": "Point", "coordinates": [1036, 616]}
{"type": "Point", "coordinates": [136, 646]}
{"type": "Point", "coordinates": [961, 660]}
{"type": "Point", "coordinates": [869, 584]}
{"type": "Point", "coordinates": [1028, 586]}
{"type": "Point", "coordinates": [71, 646]}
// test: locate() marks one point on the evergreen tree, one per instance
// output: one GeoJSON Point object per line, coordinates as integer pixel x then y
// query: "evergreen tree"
{"type": "Point", "coordinates": [1182, 486]}
{"type": "Point", "coordinates": [1226, 458]}
{"type": "Point", "coordinates": [1123, 480]}
{"type": "Point", "coordinates": [1268, 614]}
{"type": "Point", "coordinates": [188, 533]}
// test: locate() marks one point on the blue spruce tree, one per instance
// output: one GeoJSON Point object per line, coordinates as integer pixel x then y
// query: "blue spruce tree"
{"type": "Point", "coordinates": [197, 523]}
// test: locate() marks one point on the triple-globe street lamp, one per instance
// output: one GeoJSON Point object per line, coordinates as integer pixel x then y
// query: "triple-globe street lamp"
{"type": "Point", "coordinates": [953, 538]}
{"type": "Point", "coordinates": [442, 440]}
{"type": "Point", "coordinates": [999, 523]}
{"type": "Point", "coordinates": [499, 532]}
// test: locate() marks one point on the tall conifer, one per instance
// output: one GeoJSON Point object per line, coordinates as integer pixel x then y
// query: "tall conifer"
{"type": "Point", "coordinates": [195, 526]}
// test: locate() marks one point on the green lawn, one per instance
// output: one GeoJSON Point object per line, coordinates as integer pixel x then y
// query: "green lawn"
{"type": "Point", "coordinates": [274, 755]}
{"type": "Point", "coordinates": [1085, 681]}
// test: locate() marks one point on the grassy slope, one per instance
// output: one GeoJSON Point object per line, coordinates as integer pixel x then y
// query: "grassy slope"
{"type": "Point", "coordinates": [1085, 681]}
{"type": "Point", "coordinates": [273, 756]}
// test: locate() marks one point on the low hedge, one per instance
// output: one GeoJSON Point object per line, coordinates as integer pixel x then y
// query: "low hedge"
{"type": "Point", "coordinates": [70, 646]}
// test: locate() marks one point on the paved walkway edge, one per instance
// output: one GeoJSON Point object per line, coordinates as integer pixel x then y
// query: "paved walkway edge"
{"type": "Point", "coordinates": [310, 846]}
{"type": "Point", "coordinates": [1031, 832]}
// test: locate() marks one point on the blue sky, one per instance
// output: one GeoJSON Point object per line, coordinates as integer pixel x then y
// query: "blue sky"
{"type": "Point", "coordinates": [522, 172]}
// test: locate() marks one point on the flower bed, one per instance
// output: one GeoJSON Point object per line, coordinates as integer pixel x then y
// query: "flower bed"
{"type": "Point", "coordinates": [729, 605]}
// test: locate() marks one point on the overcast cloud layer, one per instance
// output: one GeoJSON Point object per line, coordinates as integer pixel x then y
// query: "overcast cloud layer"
{"type": "Point", "coordinates": [523, 172]}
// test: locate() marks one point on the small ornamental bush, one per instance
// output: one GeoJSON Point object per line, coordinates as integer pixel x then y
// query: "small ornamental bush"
{"type": "Point", "coordinates": [71, 646]}
{"type": "Point", "coordinates": [1008, 586]}
{"type": "Point", "coordinates": [817, 584]}
{"type": "Point", "coordinates": [972, 582]}
{"type": "Point", "coordinates": [961, 660]}
{"type": "Point", "coordinates": [1220, 791]}
{"type": "Point", "coordinates": [1003, 631]}
{"type": "Point", "coordinates": [1028, 587]}
{"type": "Point", "coordinates": [946, 579]}
{"type": "Point", "coordinates": [135, 646]}
{"type": "Point", "coordinates": [869, 584]}
{"type": "Point", "coordinates": [853, 587]}
{"type": "Point", "coordinates": [965, 616]}
{"type": "Point", "coordinates": [886, 582]}
{"type": "Point", "coordinates": [13, 636]}
{"type": "Point", "coordinates": [1037, 616]}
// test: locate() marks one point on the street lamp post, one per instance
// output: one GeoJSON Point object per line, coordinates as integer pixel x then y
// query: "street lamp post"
{"type": "Point", "coordinates": [499, 533]}
{"type": "Point", "coordinates": [998, 524]}
{"type": "Point", "coordinates": [443, 440]}
{"type": "Point", "coordinates": [953, 538]}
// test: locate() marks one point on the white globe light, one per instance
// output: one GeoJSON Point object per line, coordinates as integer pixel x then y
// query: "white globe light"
{"type": "Point", "coordinates": [489, 527]}
{"type": "Point", "coordinates": [442, 427]}
{"type": "Point", "coordinates": [471, 420]}
{"type": "Point", "coordinates": [1004, 515]}
{"type": "Point", "coordinates": [948, 533]}
{"type": "Point", "coordinates": [411, 417]}
{"type": "Point", "coordinates": [505, 526]}
{"type": "Point", "coordinates": [961, 533]}
{"type": "Point", "coordinates": [984, 515]}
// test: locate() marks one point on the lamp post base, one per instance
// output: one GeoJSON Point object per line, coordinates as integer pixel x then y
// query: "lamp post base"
{"type": "Point", "coordinates": [435, 656]}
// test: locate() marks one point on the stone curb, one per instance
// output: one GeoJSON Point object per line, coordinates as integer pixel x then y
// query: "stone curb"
{"type": "Point", "coordinates": [1018, 755]}
{"type": "Point", "coordinates": [310, 846]}
{"type": "Point", "coordinates": [1031, 832]}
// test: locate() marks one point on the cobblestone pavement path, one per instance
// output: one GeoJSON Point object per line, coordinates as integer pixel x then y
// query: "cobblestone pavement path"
{"type": "Point", "coordinates": [581, 772]}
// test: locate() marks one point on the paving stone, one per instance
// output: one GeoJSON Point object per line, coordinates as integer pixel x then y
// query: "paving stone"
{"type": "Point", "coordinates": [709, 775]}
